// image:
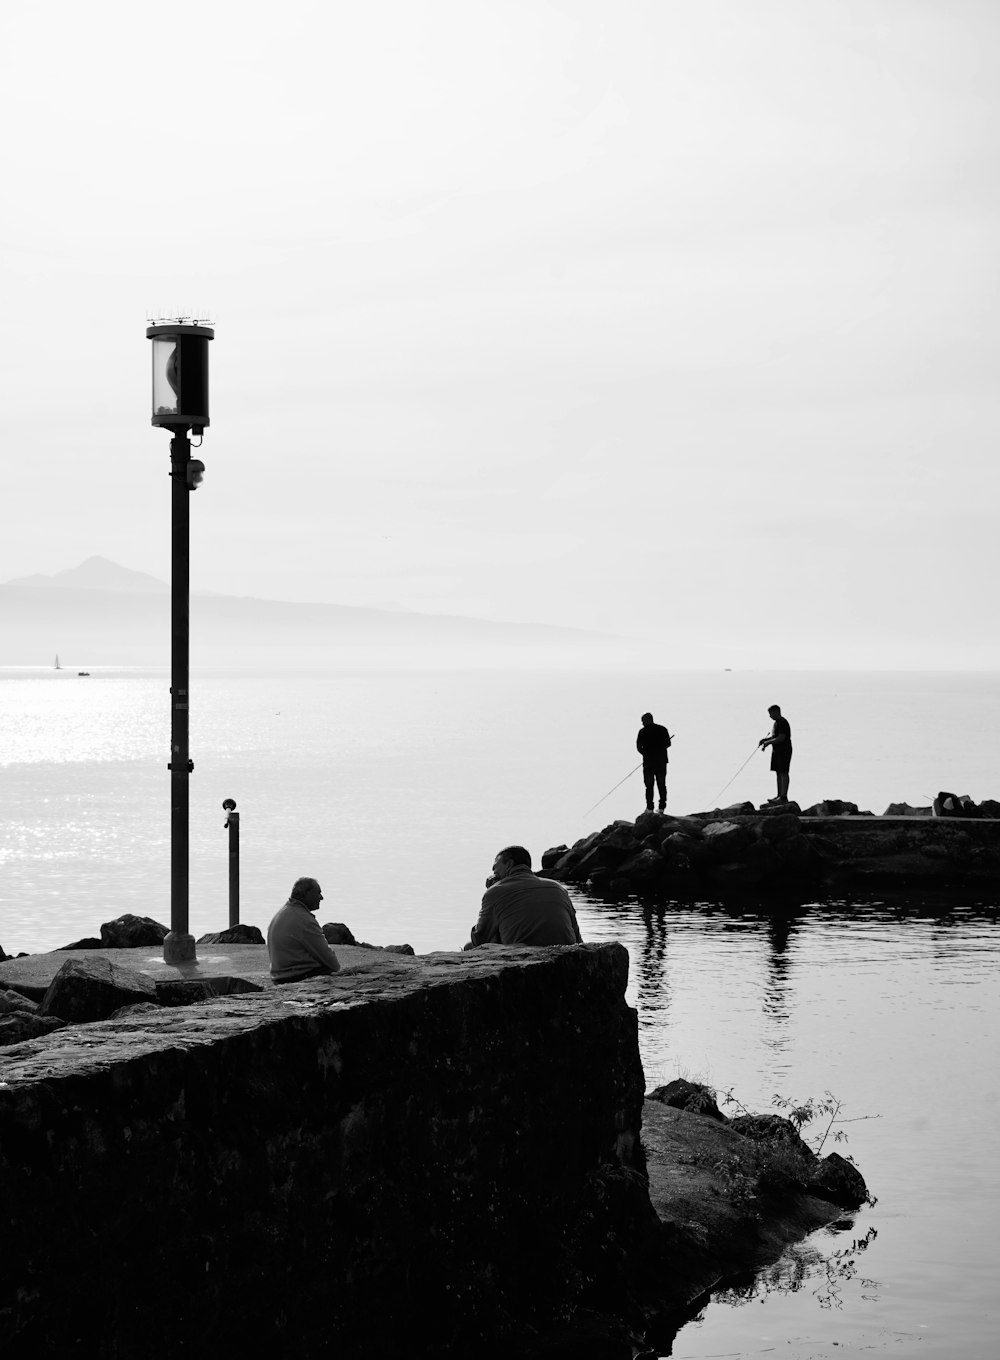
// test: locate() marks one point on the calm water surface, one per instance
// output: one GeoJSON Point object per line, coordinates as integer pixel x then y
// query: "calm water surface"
{"type": "Point", "coordinates": [396, 791]}
{"type": "Point", "coordinates": [894, 1006]}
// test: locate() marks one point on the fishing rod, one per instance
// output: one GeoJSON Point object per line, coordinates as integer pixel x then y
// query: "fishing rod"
{"type": "Point", "coordinates": [611, 791]}
{"type": "Point", "coordinates": [620, 783]}
{"type": "Point", "coordinates": [738, 773]}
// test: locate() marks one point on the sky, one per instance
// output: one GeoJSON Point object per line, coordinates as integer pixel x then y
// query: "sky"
{"type": "Point", "coordinates": [676, 320]}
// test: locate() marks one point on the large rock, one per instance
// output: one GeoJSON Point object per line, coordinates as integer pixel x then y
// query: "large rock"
{"type": "Point", "coordinates": [191, 991]}
{"type": "Point", "coordinates": [778, 828]}
{"type": "Point", "coordinates": [11, 1001]}
{"type": "Point", "coordinates": [726, 840]}
{"type": "Point", "coordinates": [905, 810]}
{"type": "Point", "coordinates": [552, 856]}
{"type": "Point", "coordinates": [644, 868]}
{"type": "Point", "coordinates": [238, 934]}
{"type": "Point", "coordinates": [732, 810]}
{"type": "Point", "coordinates": [17, 1026]}
{"type": "Point", "coordinates": [132, 932]}
{"type": "Point", "coordinates": [799, 857]}
{"type": "Point", "coordinates": [781, 809]}
{"type": "Point", "coordinates": [837, 1179]}
{"type": "Point", "coordinates": [92, 988]}
{"type": "Point", "coordinates": [755, 865]}
{"type": "Point", "coordinates": [771, 1128]}
{"type": "Point", "coordinates": [681, 1094]}
{"type": "Point", "coordinates": [337, 933]}
{"type": "Point", "coordinates": [831, 807]}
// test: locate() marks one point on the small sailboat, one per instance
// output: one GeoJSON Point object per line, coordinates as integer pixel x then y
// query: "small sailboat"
{"type": "Point", "coordinates": [57, 665]}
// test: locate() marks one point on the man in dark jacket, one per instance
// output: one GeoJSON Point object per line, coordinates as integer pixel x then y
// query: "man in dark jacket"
{"type": "Point", "coordinates": [652, 743]}
{"type": "Point", "coordinates": [521, 908]}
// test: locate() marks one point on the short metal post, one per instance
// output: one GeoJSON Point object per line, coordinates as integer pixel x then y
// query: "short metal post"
{"type": "Point", "coordinates": [233, 823]}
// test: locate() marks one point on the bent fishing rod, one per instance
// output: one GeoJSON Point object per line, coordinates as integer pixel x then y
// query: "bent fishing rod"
{"type": "Point", "coordinates": [621, 782]}
{"type": "Point", "coordinates": [611, 791]}
{"type": "Point", "coordinates": [737, 774]}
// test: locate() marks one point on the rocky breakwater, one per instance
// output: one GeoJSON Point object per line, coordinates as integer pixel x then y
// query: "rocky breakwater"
{"type": "Point", "coordinates": [742, 847]}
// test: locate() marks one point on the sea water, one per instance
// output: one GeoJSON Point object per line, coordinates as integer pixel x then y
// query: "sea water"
{"type": "Point", "coordinates": [397, 789]}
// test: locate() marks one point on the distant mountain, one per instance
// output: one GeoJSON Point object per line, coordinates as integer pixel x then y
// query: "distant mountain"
{"type": "Point", "coordinates": [97, 573]}
{"type": "Point", "coordinates": [103, 614]}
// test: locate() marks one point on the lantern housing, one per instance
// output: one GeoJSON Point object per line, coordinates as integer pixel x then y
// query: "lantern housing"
{"type": "Point", "coordinates": [180, 373]}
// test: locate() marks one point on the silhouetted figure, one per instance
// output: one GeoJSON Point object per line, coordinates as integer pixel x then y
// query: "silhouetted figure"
{"type": "Point", "coordinates": [652, 744]}
{"type": "Point", "coordinates": [780, 742]}
{"type": "Point", "coordinates": [521, 908]}
{"type": "Point", "coordinates": [296, 945]}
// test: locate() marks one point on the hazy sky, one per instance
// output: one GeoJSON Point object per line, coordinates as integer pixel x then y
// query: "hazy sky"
{"type": "Point", "coordinates": [676, 319]}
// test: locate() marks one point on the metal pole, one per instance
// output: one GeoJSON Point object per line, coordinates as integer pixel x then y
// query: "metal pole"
{"type": "Point", "coordinates": [179, 945]}
{"type": "Point", "coordinates": [233, 823]}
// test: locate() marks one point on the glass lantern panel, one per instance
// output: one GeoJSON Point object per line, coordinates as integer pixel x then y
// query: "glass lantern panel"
{"type": "Point", "coordinates": [166, 375]}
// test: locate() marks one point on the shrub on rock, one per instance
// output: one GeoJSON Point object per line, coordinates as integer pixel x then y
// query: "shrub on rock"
{"type": "Point", "coordinates": [771, 1128]}
{"type": "Point", "coordinates": [688, 1095]}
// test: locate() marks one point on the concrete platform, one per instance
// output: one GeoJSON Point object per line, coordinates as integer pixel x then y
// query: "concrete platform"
{"type": "Point", "coordinates": [216, 965]}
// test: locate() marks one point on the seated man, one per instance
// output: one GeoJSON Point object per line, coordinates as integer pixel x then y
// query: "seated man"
{"type": "Point", "coordinates": [521, 908]}
{"type": "Point", "coordinates": [296, 945]}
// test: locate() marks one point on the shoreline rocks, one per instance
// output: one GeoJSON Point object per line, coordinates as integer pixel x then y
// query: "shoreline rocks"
{"type": "Point", "coordinates": [780, 846]}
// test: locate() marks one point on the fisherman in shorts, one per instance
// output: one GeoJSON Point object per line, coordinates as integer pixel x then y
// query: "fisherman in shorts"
{"type": "Point", "coordinates": [780, 742]}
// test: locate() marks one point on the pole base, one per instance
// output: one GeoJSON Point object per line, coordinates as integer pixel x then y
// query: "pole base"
{"type": "Point", "coordinates": [178, 948]}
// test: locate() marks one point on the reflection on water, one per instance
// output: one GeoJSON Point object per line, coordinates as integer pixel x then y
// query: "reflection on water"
{"type": "Point", "coordinates": [823, 1273]}
{"type": "Point", "coordinates": [893, 1004]}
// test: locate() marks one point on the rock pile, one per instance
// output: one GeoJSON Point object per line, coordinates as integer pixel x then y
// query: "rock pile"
{"type": "Point", "coordinates": [784, 845]}
{"type": "Point", "coordinates": [795, 1168]}
{"type": "Point", "coordinates": [657, 852]}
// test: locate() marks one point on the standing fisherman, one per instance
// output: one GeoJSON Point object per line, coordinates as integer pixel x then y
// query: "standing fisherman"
{"type": "Point", "coordinates": [652, 743]}
{"type": "Point", "coordinates": [780, 742]}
